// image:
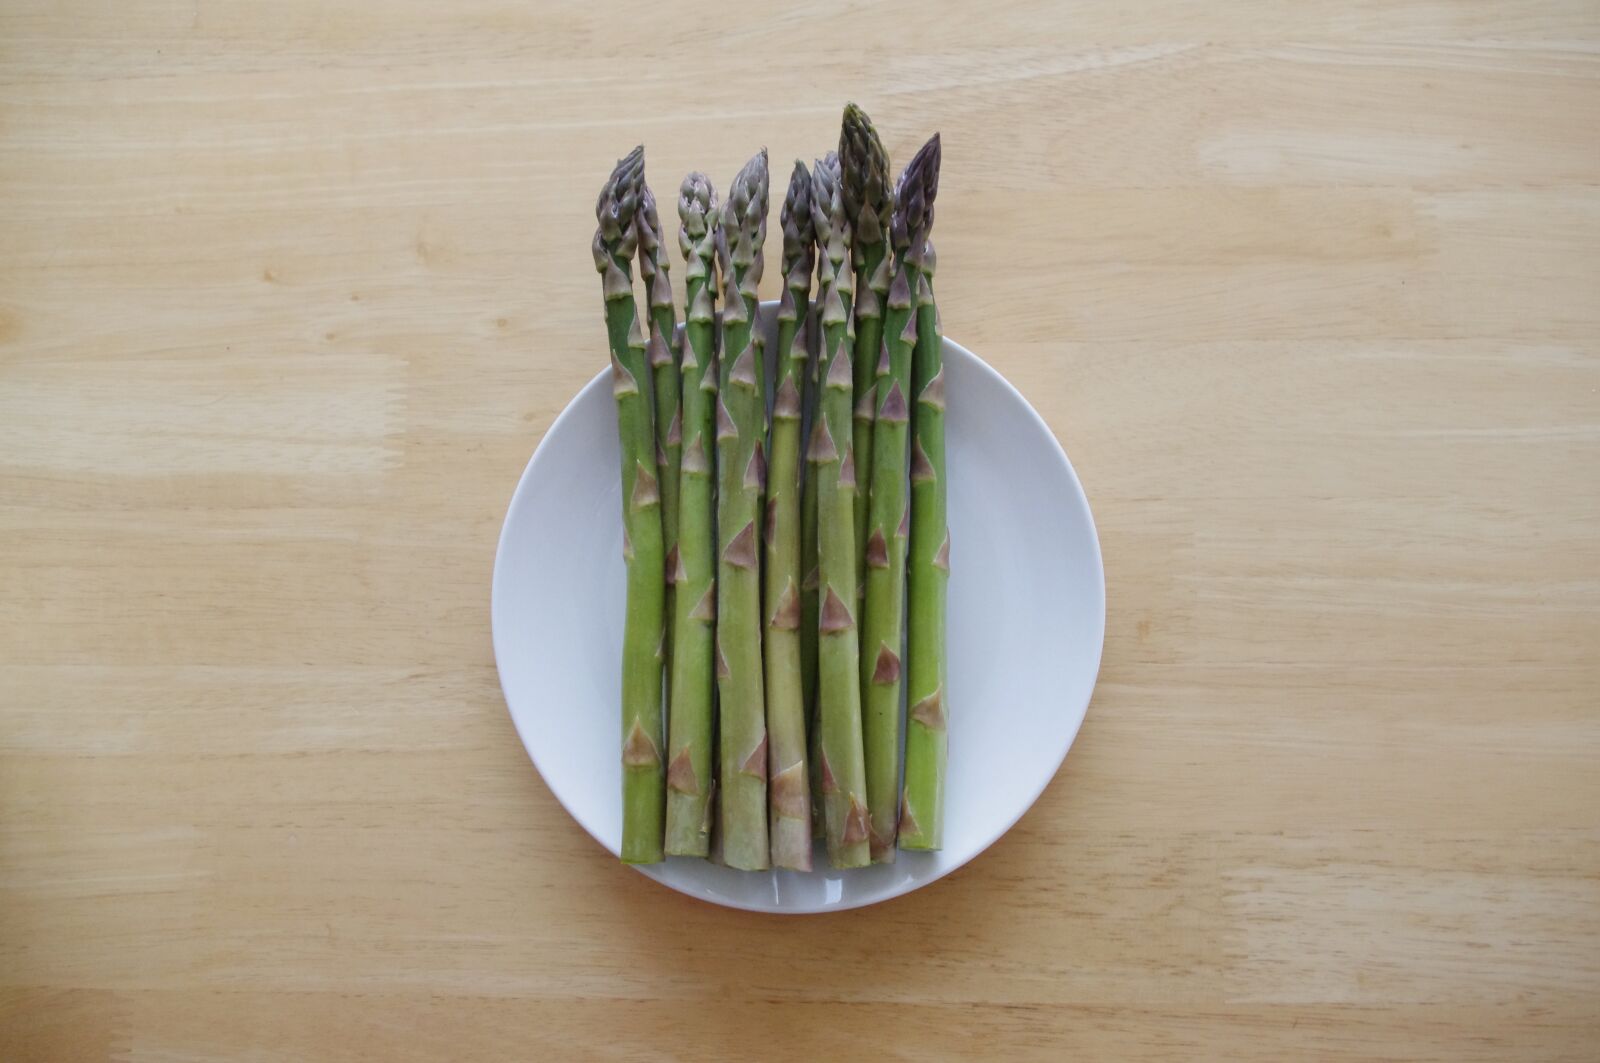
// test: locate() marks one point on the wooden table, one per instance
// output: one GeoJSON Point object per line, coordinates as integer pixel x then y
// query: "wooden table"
{"type": "Point", "coordinates": [290, 291]}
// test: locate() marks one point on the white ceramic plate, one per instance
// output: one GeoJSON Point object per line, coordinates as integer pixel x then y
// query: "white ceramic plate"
{"type": "Point", "coordinates": [1027, 620]}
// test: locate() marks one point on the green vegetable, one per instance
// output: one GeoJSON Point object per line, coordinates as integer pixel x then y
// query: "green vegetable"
{"type": "Point", "coordinates": [790, 786]}
{"type": "Point", "coordinates": [927, 674]}
{"type": "Point", "coordinates": [663, 324]}
{"type": "Point", "coordinates": [841, 770]}
{"type": "Point", "coordinates": [864, 168]}
{"type": "Point", "coordinates": [889, 513]}
{"type": "Point", "coordinates": [689, 772]}
{"type": "Point", "coordinates": [643, 792]}
{"type": "Point", "coordinates": [741, 478]}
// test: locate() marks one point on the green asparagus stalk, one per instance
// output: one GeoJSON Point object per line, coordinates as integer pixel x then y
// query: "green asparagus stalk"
{"type": "Point", "coordinates": [689, 771]}
{"type": "Point", "coordinates": [741, 479]}
{"type": "Point", "coordinates": [643, 791]}
{"type": "Point", "coordinates": [889, 513]}
{"type": "Point", "coordinates": [808, 566]}
{"type": "Point", "coordinates": [865, 169]}
{"type": "Point", "coordinates": [790, 786]}
{"type": "Point", "coordinates": [927, 676]}
{"type": "Point", "coordinates": [841, 770]}
{"type": "Point", "coordinates": [663, 359]}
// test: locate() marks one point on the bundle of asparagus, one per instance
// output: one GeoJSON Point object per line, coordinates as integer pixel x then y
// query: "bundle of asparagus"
{"type": "Point", "coordinates": [769, 580]}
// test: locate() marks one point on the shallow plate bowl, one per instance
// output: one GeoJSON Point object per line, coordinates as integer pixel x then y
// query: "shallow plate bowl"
{"type": "Point", "coordinates": [1027, 621]}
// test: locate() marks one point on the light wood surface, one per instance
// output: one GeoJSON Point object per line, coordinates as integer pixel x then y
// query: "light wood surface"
{"type": "Point", "coordinates": [290, 291]}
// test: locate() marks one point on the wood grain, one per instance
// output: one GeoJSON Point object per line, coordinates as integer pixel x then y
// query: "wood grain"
{"type": "Point", "coordinates": [289, 292]}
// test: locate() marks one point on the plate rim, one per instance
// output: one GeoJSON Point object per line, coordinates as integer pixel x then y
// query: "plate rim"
{"type": "Point", "coordinates": [654, 871]}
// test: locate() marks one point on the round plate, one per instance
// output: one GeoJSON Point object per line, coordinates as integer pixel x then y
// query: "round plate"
{"type": "Point", "coordinates": [1027, 620]}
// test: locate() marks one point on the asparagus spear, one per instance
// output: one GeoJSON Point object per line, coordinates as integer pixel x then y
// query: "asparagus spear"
{"type": "Point", "coordinates": [841, 772]}
{"type": "Point", "coordinates": [927, 677]}
{"type": "Point", "coordinates": [808, 565]}
{"type": "Point", "coordinates": [786, 722]}
{"type": "Point", "coordinates": [889, 514]}
{"type": "Point", "coordinates": [741, 477]}
{"type": "Point", "coordinates": [865, 169]}
{"type": "Point", "coordinates": [642, 784]}
{"type": "Point", "coordinates": [664, 369]}
{"type": "Point", "coordinates": [689, 772]}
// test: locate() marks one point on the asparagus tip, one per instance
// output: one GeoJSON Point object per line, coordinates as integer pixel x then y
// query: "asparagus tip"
{"type": "Point", "coordinates": [615, 208]}
{"type": "Point", "coordinates": [697, 200]}
{"type": "Point", "coordinates": [913, 196]}
{"type": "Point", "coordinates": [864, 166]}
